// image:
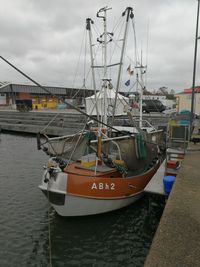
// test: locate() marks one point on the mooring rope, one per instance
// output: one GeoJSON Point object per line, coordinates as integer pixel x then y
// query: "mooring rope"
{"type": "Point", "coordinates": [49, 227]}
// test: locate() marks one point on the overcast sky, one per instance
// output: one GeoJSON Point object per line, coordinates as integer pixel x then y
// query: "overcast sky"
{"type": "Point", "coordinates": [43, 38]}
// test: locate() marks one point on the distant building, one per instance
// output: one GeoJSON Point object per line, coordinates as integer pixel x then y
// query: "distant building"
{"type": "Point", "coordinates": [183, 100]}
{"type": "Point", "coordinates": [49, 98]}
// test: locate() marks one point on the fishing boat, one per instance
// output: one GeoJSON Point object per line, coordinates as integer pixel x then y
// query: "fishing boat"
{"type": "Point", "coordinates": [103, 168]}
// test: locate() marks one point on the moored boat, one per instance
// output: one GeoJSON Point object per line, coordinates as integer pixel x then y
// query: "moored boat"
{"type": "Point", "coordinates": [100, 169]}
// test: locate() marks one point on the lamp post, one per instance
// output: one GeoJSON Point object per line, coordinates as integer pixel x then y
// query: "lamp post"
{"type": "Point", "coordinates": [194, 70]}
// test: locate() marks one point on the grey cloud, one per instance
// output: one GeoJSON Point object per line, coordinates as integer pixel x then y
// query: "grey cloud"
{"type": "Point", "coordinates": [44, 38]}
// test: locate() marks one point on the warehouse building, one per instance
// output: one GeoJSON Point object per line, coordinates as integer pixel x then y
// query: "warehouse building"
{"type": "Point", "coordinates": [52, 97]}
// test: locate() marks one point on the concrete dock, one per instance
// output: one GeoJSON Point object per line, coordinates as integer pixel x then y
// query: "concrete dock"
{"type": "Point", "coordinates": [56, 122]}
{"type": "Point", "coordinates": [51, 122]}
{"type": "Point", "coordinates": [177, 239]}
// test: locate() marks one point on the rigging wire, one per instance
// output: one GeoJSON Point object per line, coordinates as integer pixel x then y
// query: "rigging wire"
{"type": "Point", "coordinates": [84, 68]}
{"type": "Point", "coordinates": [78, 63]}
{"type": "Point", "coordinates": [84, 64]}
{"type": "Point", "coordinates": [125, 55]}
{"type": "Point", "coordinates": [117, 24]}
{"type": "Point", "coordinates": [115, 27]}
{"type": "Point", "coordinates": [96, 30]}
{"type": "Point", "coordinates": [95, 54]}
{"type": "Point", "coordinates": [86, 74]}
{"type": "Point", "coordinates": [118, 39]}
{"type": "Point", "coordinates": [147, 52]}
{"type": "Point", "coordinates": [141, 67]}
{"type": "Point", "coordinates": [135, 44]}
{"type": "Point", "coordinates": [115, 42]}
{"type": "Point", "coordinates": [120, 25]}
{"type": "Point", "coordinates": [49, 227]}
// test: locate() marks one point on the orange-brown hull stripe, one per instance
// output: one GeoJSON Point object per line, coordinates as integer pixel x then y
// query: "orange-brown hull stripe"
{"type": "Point", "coordinates": [106, 187]}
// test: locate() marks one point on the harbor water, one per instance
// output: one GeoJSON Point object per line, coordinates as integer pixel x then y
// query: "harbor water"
{"type": "Point", "coordinates": [120, 238]}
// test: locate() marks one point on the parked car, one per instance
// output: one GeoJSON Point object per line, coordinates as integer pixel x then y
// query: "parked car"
{"type": "Point", "coordinates": [151, 105]}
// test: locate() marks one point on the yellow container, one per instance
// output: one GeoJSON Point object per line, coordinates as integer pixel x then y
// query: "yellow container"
{"type": "Point", "coordinates": [88, 160]}
{"type": "Point", "coordinates": [88, 163]}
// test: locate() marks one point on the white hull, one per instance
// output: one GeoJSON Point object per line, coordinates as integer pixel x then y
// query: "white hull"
{"type": "Point", "coordinates": [72, 205]}
{"type": "Point", "coordinates": [79, 206]}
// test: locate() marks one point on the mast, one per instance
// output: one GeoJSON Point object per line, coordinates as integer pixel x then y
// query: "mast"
{"type": "Point", "coordinates": [140, 105]}
{"type": "Point", "coordinates": [194, 71]}
{"type": "Point", "coordinates": [88, 27]}
{"type": "Point", "coordinates": [143, 71]}
{"type": "Point", "coordinates": [103, 40]}
{"type": "Point", "coordinates": [138, 83]}
{"type": "Point", "coordinates": [129, 11]}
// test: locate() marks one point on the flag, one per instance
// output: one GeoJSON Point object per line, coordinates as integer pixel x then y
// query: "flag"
{"type": "Point", "coordinates": [127, 83]}
{"type": "Point", "coordinates": [131, 72]}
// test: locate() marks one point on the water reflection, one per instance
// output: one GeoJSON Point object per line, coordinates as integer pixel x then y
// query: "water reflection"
{"type": "Point", "coordinates": [120, 238]}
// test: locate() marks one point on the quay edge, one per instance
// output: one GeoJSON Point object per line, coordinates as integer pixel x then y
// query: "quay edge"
{"type": "Point", "coordinates": [177, 239]}
{"type": "Point", "coordinates": [56, 122]}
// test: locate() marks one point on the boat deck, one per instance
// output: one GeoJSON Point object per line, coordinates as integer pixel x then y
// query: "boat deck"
{"type": "Point", "coordinates": [78, 169]}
